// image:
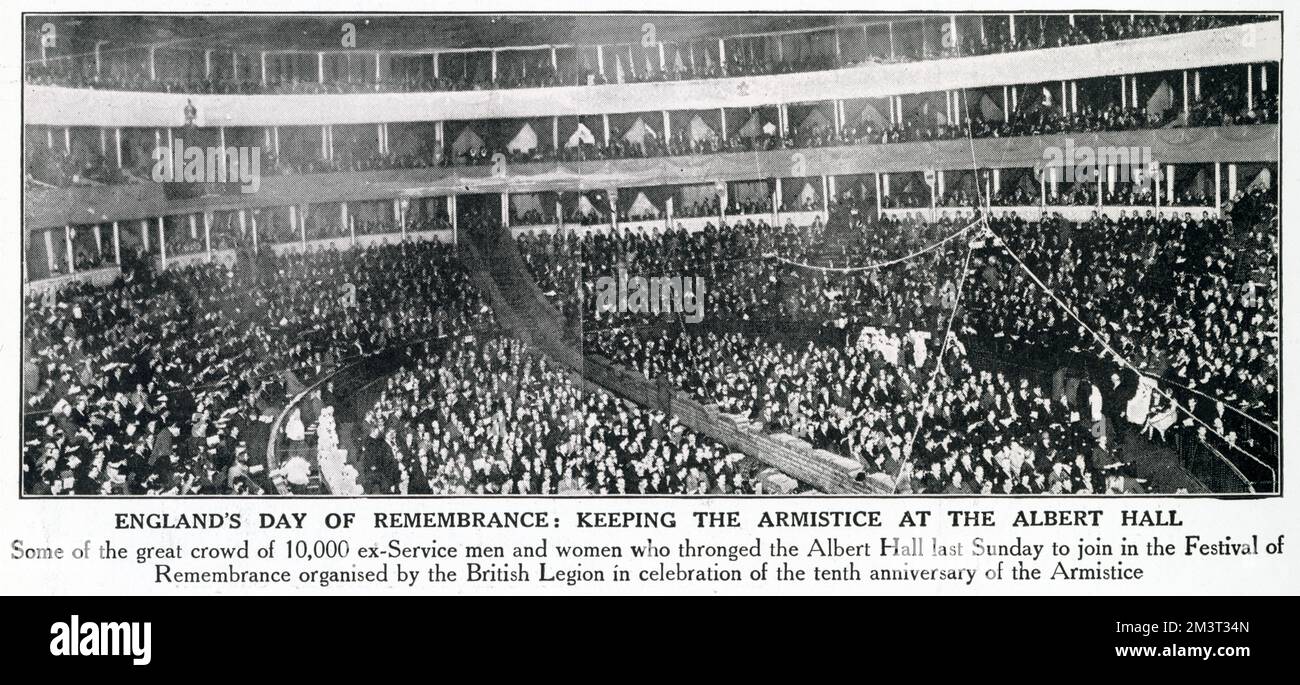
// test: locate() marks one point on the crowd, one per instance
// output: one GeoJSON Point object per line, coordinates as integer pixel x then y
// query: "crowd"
{"type": "Point", "coordinates": [165, 382]}
{"type": "Point", "coordinates": [1034, 32]}
{"type": "Point", "coordinates": [56, 167]}
{"type": "Point", "coordinates": [1191, 301]}
{"type": "Point", "coordinates": [494, 417]}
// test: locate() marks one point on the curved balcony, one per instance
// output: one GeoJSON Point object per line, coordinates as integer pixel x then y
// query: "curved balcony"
{"type": "Point", "coordinates": [1244, 44]}
{"type": "Point", "coordinates": [57, 207]}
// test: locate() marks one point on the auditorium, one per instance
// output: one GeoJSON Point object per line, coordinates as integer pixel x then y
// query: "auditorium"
{"type": "Point", "coordinates": [944, 255]}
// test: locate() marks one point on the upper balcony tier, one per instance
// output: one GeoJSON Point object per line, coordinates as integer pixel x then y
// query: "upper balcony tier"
{"type": "Point", "coordinates": [1249, 43]}
{"type": "Point", "coordinates": [52, 207]}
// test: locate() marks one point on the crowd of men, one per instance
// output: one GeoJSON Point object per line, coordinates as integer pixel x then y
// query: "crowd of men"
{"type": "Point", "coordinates": [167, 381]}
{"type": "Point", "coordinates": [1188, 301]}
{"type": "Point", "coordinates": [494, 417]}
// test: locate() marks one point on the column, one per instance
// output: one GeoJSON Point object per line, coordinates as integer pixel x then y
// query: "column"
{"type": "Point", "coordinates": [1006, 102]}
{"type": "Point", "coordinates": [604, 118]}
{"type": "Point", "coordinates": [1074, 97]}
{"type": "Point", "coordinates": [207, 64]}
{"type": "Point", "coordinates": [194, 227]}
{"type": "Point", "coordinates": [320, 67]}
{"type": "Point", "coordinates": [505, 209]}
{"type": "Point", "coordinates": [117, 244]}
{"type": "Point", "coordinates": [1232, 181]}
{"type": "Point", "coordinates": [262, 55]}
{"type": "Point", "coordinates": [826, 195]}
{"type": "Point", "coordinates": [783, 118]}
{"type": "Point", "coordinates": [451, 212]}
{"type": "Point", "coordinates": [1112, 172]}
{"type": "Point", "coordinates": [939, 182]}
{"type": "Point", "coordinates": [600, 60]}
{"type": "Point", "coordinates": [207, 234]}
{"type": "Point", "coordinates": [344, 220]}
{"type": "Point", "coordinates": [1218, 186]}
{"type": "Point", "coordinates": [99, 241]}
{"type": "Point", "coordinates": [997, 181]}
{"type": "Point", "coordinates": [722, 54]}
{"type": "Point", "coordinates": [494, 66]}
{"type": "Point", "coordinates": [50, 264]}
{"type": "Point", "coordinates": [162, 244]}
{"type": "Point", "coordinates": [302, 224]}
{"type": "Point", "coordinates": [668, 128]}
{"type": "Point", "coordinates": [1250, 87]}
{"type": "Point", "coordinates": [880, 210]}
{"type": "Point", "coordinates": [117, 145]}
{"type": "Point", "coordinates": [1065, 109]}
{"type": "Point", "coordinates": [1123, 91]}
{"type": "Point", "coordinates": [1012, 27]}
{"type": "Point", "coordinates": [1187, 105]}
{"type": "Point", "coordinates": [555, 133]}
{"type": "Point", "coordinates": [293, 222]}
{"type": "Point", "coordinates": [378, 72]}
{"type": "Point", "coordinates": [723, 112]}
{"type": "Point", "coordinates": [1196, 85]}
{"type": "Point", "coordinates": [67, 243]}
{"type": "Point", "coordinates": [153, 63]}
{"type": "Point", "coordinates": [1169, 184]}
{"type": "Point", "coordinates": [956, 39]}
{"type": "Point", "coordinates": [144, 233]}
{"type": "Point", "coordinates": [1133, 95]}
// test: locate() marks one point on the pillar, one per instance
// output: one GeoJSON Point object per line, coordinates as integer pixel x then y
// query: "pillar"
{"type": "Point", "coordinates": [207, 234]}
{"type": "Point", "coordinates": [880, 210]}
{"type": "Point", "coordinates": [162, 244]}
{"type": "Point", "coordinates": [1250, 87]}
{"type": "Point", "coordinates": [1187, 96]}
{"type": "Point", "coordinates": [67, 243]}
{"type": "Point", "coordinates": [117, 244]}
{"type": "Point", "coordinates": [1218, 186]}
{"type": "Point", "coordinates": [48, 236]}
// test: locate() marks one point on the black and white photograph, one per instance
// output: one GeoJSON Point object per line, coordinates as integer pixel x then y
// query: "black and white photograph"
{"type": "Point", "coordinates": [325, 312]}
{"type": "Point", "coordinates": [651, 254]}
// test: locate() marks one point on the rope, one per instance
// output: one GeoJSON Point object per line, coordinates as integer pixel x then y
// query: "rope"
{"type": "Point", "coordinates": [938, 366]}
{"type": "Point", "coordinates": [1116, 355]}
{"type": "Point", "coordinates": [880, 265]}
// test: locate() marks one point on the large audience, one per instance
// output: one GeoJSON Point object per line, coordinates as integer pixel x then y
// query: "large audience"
{"type": "Point", "coordinates": [492, 416]}
{"type": "Point", "coordinates": [165, 382]}
{"type": "Point", "coordinates": [1190, 301]}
